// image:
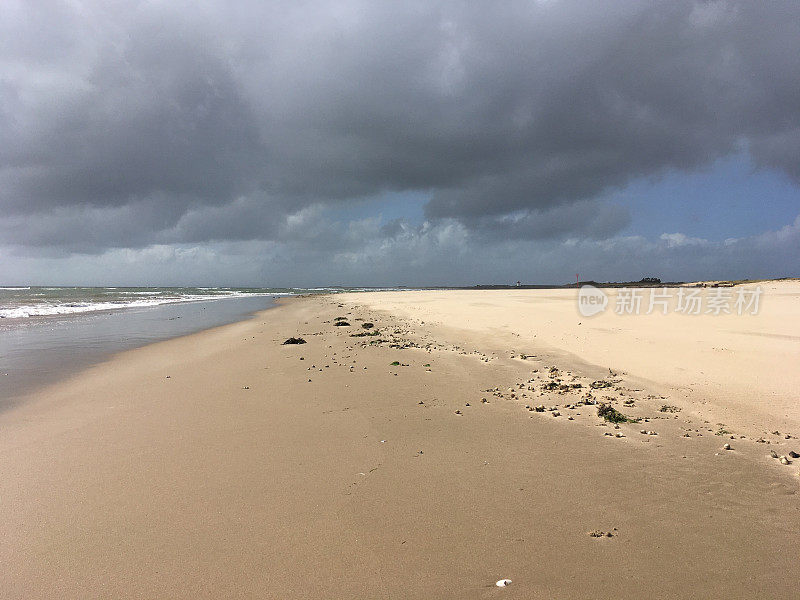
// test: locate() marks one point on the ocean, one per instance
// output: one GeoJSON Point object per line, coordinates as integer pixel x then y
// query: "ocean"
{"type": "Point", "coordinates": [50, 332]}
{"type": "Point", "coordinates": [18, 304]}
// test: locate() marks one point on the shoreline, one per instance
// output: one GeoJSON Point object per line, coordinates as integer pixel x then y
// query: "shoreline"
{"type": "Point", "coordinates": [54, 348]}
{"type": "Point", "coordinates": [224, 463]}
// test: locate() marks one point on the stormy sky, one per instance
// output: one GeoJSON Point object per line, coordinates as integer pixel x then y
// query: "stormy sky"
{"type": "Point", "coordinates": [378, 143]}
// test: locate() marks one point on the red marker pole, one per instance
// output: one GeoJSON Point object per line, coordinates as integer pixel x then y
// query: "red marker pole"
{"type": "Point", "coordinates": [577, 281]}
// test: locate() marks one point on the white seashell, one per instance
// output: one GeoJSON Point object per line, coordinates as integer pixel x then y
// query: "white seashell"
{"type": "Point", "coordinates": [503, 583]}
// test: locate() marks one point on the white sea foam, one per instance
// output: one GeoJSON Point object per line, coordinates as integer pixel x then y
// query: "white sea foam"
{"type": "Point", "coordinates": [50, 309]}
{"type": "Point", "coordinates": [149, 293]}
{"type": "Point", "coordinates": [74, 301]}
{"type": "Point", "coordinates": [54, 308]}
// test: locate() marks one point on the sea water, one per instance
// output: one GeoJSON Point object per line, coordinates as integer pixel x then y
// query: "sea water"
{"type": "Point", "coordinates": [49, 332]}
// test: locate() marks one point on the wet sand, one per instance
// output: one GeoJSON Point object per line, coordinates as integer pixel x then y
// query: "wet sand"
{"type": "Point", "coordinates": [225, 464]}
{"type": "Point", "coordinates": [42, 350]}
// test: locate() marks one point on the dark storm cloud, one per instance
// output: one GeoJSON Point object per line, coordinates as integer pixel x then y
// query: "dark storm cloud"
{"type": "Point", "coordinates": [128, 124]}
{"type": "Point", "coordinates": [152, 114]}
{"type": "Point", "coordinates": [594, 220]}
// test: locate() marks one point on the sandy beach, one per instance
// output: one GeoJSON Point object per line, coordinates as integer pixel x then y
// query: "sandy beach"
{"type": "Point", "coordinates": [457, 446]}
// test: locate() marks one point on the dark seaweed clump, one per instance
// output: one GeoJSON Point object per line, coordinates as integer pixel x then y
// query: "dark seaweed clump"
{"type": "Point", "coordinates": [611, 414]}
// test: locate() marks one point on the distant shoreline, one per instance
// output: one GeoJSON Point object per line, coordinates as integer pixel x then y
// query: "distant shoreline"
{"type": "Point", "coordinates": [619, 284]}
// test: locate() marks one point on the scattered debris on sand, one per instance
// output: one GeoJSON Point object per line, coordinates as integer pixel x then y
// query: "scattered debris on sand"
{"type": "Point", "coordinates": [600, 384]}
{"type": "Point", "coordinates": [600, 534]}
{"type": "Point", "coordinates": [559, 391]}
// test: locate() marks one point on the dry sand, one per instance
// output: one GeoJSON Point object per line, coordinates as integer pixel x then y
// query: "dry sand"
{"type": "Point", "coordinates": [741, 370]}
{"type": "Point", "coordinates": [221, 465]}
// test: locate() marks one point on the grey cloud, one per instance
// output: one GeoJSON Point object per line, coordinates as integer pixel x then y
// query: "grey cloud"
{"type": "Point", "coordinates": [446, 253]}
{"type": "Point", "coordinates": [92, 229]}
{"type": "Point", "coordinates": [594, 220]}
{"type": "Point", "coordinates": [227, 121]}
{"type": "Point", "coordinates": [780, 150]}
{"type": "Point", "coordinates": [150, 113]}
